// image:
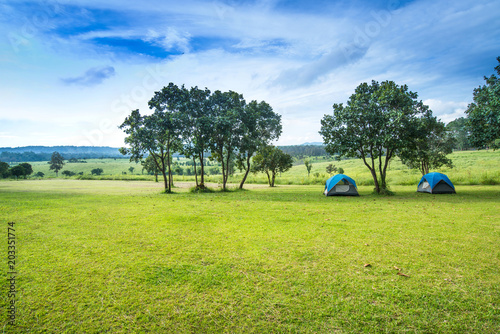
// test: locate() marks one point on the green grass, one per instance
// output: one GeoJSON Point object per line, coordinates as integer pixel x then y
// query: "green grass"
{"type": "Point", "coordinates": [121, 257]}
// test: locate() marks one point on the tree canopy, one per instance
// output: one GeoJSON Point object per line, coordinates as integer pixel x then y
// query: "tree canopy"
{"type": "Point", "coordinates": [432, 149]}
{"type": "Point", "coordinates": [56, 162]}
{"type": "Point", "coordinates": [271, 160]}
{"type": "Point", "coordinates": [378, 121]}
{"type": "Point", "coordinates": [483, 115]}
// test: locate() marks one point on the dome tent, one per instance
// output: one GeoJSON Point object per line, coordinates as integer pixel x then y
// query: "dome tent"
{"type": "Point", "coordinates": [340, 185]}
{"type": "Point", "coordinates": [436, 183]}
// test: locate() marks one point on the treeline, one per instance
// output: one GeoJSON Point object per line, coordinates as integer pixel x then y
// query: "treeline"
{"type": "Point", "coordinates": [32, 156]}
{"type": "Point", "coordinates": [301, 151]}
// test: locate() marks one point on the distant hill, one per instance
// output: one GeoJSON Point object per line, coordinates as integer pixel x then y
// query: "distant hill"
{"type": "Point", "coordinates": [316, 143]}
{"type": "Point", "coordinates": [43, 153]}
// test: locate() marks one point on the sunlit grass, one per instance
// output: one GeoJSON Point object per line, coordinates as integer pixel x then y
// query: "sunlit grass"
{"type": "Point", "coordinates": [121, 257]}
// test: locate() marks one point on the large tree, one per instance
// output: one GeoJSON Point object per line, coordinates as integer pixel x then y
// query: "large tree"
{"type": "Point", "coordinates": [197, 130]}
{"type": "Point", "coordinates": [484, 113]}
{"type": "Point", "coordinates": [226, 110]}
{"type": "Point", "coordinates": [261, 125]}
{"type": "Point", "coordinates": [146, 136]}
{"type": "Point", "coordinates": [168, 105]}
{"type": "Point", "coordinates": [56, 162]}
{"type": "Point", "coordinates": [378, 121]}
{"type": "Point", "coordinates": [271, 160]}
{"type": "Point", "coordinates": [432, 149]}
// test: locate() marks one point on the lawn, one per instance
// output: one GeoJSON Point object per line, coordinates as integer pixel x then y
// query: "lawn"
{"type": "Point", "coordinates": [122, 257]}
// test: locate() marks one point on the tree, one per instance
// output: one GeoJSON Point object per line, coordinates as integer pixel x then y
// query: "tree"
{"type": "Point", "coordinates": [150, 135]}
{"type": "Point", "coordinates": [131, 169]}
{"type": "Point", "coordinates": [28, 169]}
{"type": "Point", "coordinates": [18, 171]}
{"type": "Point", "coordinates": [151, 166]}
{"type": "Point", "coordinates": [271, 160]}
{"type": "Point", "coordinates": [308, 165]}
{"type": "Point", "coordinates": [483, 115]}
{"type": "Point", "coordinates": [378, 121]}
{"type": "Point", "coordinates": [96, 171]}
{"type": "Point", "coordinates": [226, 110]}
{"type": "Point", "coordinates": [430, 151]}
{"type": "Point", "coordinates": [261, 125]}
{"type": "Point", "coordinates": [56, 162]}
{"type": "Point", "coordinates": [330, 169]}
{"type": "Point", "coordinates": [69, 173]}
{"type": "Point", "coordinates": [4, 169]}
{"type": "Point", "coordinates": [40, 174]}
{"type": "Point", "coordinates": [198, 129]}
{"type": "Point", "coordinates": [459, 131]}
{"type": "Point", "coordinates": [166, 126]}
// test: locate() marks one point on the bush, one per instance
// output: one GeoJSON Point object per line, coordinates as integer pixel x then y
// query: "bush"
{"type": "Point", "coordinates": [68, 173]}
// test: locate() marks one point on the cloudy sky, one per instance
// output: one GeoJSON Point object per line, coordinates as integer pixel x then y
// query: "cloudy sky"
{"type": "Point", "coordinates": [72, 70]}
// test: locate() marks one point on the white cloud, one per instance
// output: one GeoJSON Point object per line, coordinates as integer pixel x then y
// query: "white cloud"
{"type": "Point", "coordinates": [447, 111]}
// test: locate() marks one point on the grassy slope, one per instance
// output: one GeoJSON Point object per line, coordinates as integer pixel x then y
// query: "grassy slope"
{"type": "Point", "coordinates": [121, 257]}
{"type": "Point", "coordinates": [471, 167]}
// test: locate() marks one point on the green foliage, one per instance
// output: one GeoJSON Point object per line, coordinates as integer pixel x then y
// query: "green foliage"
{"type": "Point", "coordinates": [340, 170]}
{"type": "Point", "coordinates": [56, 162]}
{"type": "Point", "coordinates": [271, 160]}
{"type": "Point", "coordinates": [308, 165]}
{"type": "Point", "coordinates": [483, 115]}
{"type": "Point", "coordinates": [28, 169]}
{"type": "Point", "coordinates": [131, 169]}
{"type": "Point", "coordinates": [331, 169]}
{"type": "Point", "coordinates": [378, 121]}
{"type": "Point", "coordinates": [431, 150]}
{"type": "Point", "coordinates": [39, 174]}
{"type": "Point", "coordinates": [69, 173]}
{"type": "Point", "coordinates": [18, 171]}
{"type": "Point", "coordinates": [97, 171]}
{"type": "Point", "coordinates": [4, 169]}
{"type": "Point", "coordinates": [459, 131]}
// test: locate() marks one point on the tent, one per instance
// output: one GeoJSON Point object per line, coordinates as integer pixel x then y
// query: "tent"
{"type": "Point", "coordinates": [340, 185]}
{"type": "Point", "coordinates": [436, 183]}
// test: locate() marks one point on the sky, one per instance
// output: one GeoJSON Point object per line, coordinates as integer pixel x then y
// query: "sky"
{"type": "Point", "coordinates": [72, 70]}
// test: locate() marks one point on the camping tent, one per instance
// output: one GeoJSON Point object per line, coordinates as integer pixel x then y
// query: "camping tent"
{"type": "Point", "coordinates": [436, 183]}
{"type": "Point", "coordinates": [340, 185]}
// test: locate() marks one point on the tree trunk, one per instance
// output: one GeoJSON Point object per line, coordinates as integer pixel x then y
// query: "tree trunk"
{"type": "Point", "coordinates": [195, 172]}
{"type": "Point", "coordinates": [246, 172]}
{"type": "Point", "coordinates": [202, 174]}
{"type": "Point", "coordinates": [274, 177]}
{"type": "Point", "coordinates": [373, 172]}
{"type": "Point", "coordinates": [223, 169]}
{"type": "Point", "coordinates": [268, 179]}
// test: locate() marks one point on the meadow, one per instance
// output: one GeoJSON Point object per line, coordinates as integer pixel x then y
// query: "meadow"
{"type": "Point", "coordinates": [470, 168]}
{"type": "Point", "coordinates": [123, 257]}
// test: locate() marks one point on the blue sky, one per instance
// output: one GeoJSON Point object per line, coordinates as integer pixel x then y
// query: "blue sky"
{"type": "Point", "coordinates": [71, 71]}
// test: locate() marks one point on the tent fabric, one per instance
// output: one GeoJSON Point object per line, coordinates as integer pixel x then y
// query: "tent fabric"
{"type": "Point", "coordinates": [435, 183]}
{"type": "Point", "coordinates": [340, 185]}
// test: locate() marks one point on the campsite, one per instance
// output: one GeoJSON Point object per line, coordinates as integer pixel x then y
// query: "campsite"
{"type": "Point", "coordinates": [250, 166]}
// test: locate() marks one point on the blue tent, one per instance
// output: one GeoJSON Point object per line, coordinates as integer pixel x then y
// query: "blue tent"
{"type": "Point", "coordinates": [340, 185]}
{"type": "Point", "coordinates": [436, 183]}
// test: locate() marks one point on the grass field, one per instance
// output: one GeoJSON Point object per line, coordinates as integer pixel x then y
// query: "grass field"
{"type": "Point", "coordinates": [471, 168]}
{"type": "Point", "coordinates": [122, 257]}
